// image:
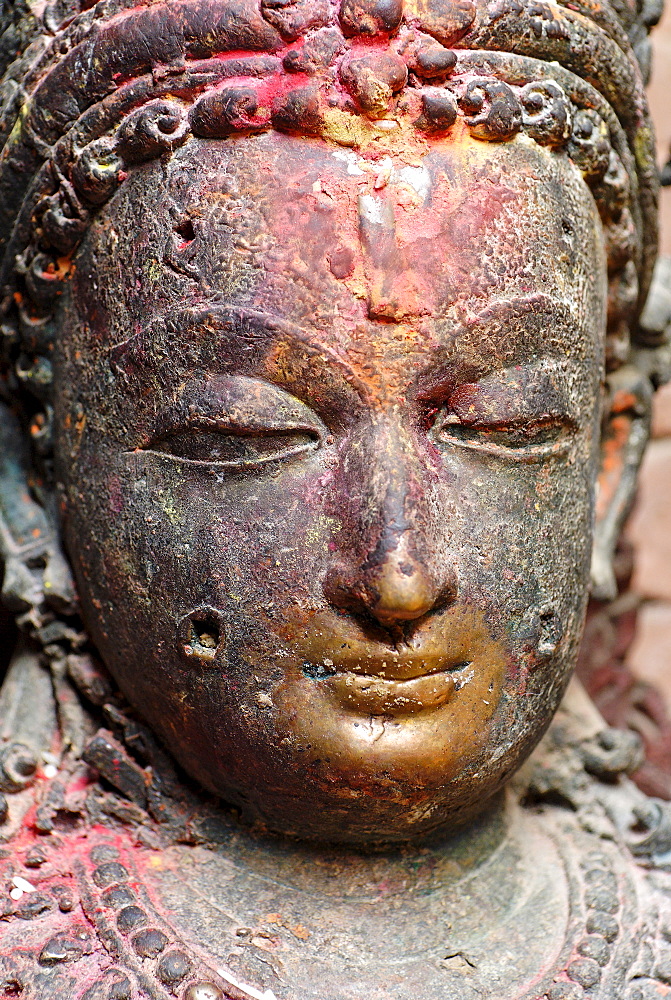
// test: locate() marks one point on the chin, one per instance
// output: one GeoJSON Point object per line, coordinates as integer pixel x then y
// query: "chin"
{"type": "Point", "coordinates": [343, 778]}
{"type": "Point", "coordinates": [382, 812]}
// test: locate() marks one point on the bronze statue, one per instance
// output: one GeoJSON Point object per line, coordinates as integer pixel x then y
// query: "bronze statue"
{"type": "Point", "coordinates": [323, 371]}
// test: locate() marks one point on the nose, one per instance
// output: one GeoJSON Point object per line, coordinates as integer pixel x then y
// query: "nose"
{"type": "Point", "coordinates": [388, 564]}
{"type": "Point", "coordinates": [402, 589]}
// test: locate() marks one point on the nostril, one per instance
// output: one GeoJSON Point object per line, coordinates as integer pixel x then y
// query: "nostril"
{"type": "Point", "coordinates": [186, 231]}
{"type": "Point", "coordinates": [347, 593]}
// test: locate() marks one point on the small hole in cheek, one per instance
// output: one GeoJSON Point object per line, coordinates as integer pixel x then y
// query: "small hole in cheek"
{"type": "Point", "coordinates": [204, 636]}
{"type": "Point", "coordinates": [186, 231]}
{"type": "Point", "coordinates": [201, 635]}
{"type": "Point", "coordinates": [550, 632]}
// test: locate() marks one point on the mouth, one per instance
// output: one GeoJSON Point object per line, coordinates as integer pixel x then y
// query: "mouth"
{"type": "Point", "coordinates": [363, 671]}
{"type": "Point", "coordinates": [395, 686]}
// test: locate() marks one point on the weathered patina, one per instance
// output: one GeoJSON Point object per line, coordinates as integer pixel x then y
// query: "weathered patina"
{"type": "Point", "coordinates": [324, 374]}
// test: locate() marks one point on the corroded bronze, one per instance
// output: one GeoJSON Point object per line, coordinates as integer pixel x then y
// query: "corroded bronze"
{"type": "Point", "coordinates": [323, 362]}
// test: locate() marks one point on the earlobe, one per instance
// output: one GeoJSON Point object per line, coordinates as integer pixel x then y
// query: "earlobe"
{"type": "Point", "coordinates": [624, 435]}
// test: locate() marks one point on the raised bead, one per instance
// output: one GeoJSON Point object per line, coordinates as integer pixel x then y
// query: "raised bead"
{"type": "Point", "coordinates": [109, 874]}
{"type": "Point", "coordinates": [173, 967]}
{"type": "Point", "coordinates": [203, 991]}
{"type": "Point", "coordinates": [131, 918]}
{"type": "Point", "coordinates": [149, 943]}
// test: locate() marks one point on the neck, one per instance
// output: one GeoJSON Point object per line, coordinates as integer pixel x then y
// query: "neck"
{"type": "Point", "coordinates": [316, 918]}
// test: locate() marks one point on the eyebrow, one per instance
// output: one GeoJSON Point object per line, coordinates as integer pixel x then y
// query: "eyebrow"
{"type": "Point", "coordinates": [241, 323]}
{"type": "Point", "coordinates": [518, 331]}
{"type": "Point", "coordinates": [132, 354]}
{"type": "Point", "coordinates": [539, 307]}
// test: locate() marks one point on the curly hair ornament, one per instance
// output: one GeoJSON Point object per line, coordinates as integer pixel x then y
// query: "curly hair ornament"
{"type": "Point", "coordinates": [566, 75]}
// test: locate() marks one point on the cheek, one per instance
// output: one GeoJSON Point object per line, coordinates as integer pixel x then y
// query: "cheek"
{"type": "Point", "coordinates": [522, 537]}
{"type": "Point", "coordinates": [152, 541]}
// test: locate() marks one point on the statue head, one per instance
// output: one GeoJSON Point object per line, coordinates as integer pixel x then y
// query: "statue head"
{"type": "Point", "coordinates": [321, 330]}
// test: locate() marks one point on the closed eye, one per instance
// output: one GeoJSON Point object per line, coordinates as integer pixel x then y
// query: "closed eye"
{"type": "Point", "coordinates": [234, 422]}
{"type": "Point", "coordinates": [239, 449]}
{"type": "Point", "coordinates": [522, 413]}
{"type": "Point", "coordinates": [528, 441]}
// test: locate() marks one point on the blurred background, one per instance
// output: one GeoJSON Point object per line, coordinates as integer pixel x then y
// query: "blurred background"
{"type": "Point", "coordinates": [650, 525]}
{"type": "Point", "coordinates": [626, 656]}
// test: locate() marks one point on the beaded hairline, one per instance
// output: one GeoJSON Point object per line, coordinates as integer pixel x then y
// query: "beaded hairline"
{"type": "Point", "coordinates": [124, 82]}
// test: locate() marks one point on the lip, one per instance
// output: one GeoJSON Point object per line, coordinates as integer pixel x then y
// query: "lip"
{"type": "Point", "coordinates": [404, 664]}
{"type": "Point", "coordinates": [372, 694]}
{"type": "Point", "coordinates": [361, 673]}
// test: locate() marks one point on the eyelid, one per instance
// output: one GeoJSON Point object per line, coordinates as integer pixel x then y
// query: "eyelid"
{"type": "Point", "coordinates": [530, 451]}
{"type": "Point", "coordinates": [520, 422]}
{"type": "Point", "coordinates": [524, 398]}
{"type": "Point", "coordinates": [237, 405]}
{"type": "Point", "coordinates": [512, 396]}
{"type": "Point", "coordinates": [241, 428]}
{"type": "Point", "coordinates": [280, 447]}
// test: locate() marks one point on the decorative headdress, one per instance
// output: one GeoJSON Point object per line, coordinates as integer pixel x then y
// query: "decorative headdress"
{"type": "Point", "coordinates": [96, 89]}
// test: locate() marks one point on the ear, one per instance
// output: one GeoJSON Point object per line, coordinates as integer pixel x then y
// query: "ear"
{"type": "Point", "coordinates": [624, 435]}
{"type": "Point", "coordinates": [37, 579]}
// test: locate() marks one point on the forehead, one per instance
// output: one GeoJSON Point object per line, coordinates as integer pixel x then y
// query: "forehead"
{"type": "Point", "coordinates": [386, 258]}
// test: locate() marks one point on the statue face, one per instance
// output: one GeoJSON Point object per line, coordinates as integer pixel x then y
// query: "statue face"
{"type": "Point", "coordinates": [327, 437]}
